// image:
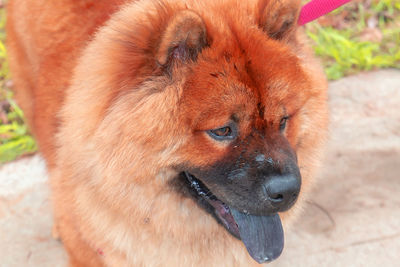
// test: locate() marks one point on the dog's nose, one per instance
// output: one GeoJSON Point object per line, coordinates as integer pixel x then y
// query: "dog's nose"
{"type": "Point", "coordinates": [282, 190]}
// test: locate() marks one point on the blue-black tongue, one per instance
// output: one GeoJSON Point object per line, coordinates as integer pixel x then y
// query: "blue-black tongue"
{"type": "Point", "coordinates": [262, 235]}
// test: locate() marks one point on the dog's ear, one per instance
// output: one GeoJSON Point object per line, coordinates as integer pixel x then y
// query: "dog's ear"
{"type": "Point", "coordinates": [278, 18]}
{"type": "Point", "coordinates": [183, 39]}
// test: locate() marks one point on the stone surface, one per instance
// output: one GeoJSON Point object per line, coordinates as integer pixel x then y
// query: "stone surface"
{"type": "Point", "coordinates": [352, 219]}
{"type": "Point", "coordinates": [25, 216]}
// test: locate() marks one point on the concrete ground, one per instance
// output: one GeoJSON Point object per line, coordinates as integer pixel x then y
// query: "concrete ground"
{"type": "Point", "coordinates": [353, 218]}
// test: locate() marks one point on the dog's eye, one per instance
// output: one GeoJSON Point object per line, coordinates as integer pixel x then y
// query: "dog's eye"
{"type": "Point", "coordinates": [223, 133]}
{"type": "Point", "coordinates": [282, 123]}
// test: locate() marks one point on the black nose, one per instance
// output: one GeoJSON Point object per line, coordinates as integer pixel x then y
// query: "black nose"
{"type": "Point", "coordinates": [282, 191]}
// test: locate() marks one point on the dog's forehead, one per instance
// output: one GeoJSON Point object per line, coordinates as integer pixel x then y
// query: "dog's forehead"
{"type": "Point", "coordinates": [278, 78]}
{"type": "Point", "coordinates": [217, 89]}
{"type": "Point", "coordinates": [245, 77]}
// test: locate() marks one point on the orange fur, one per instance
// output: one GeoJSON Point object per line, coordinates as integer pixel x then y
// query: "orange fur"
{"type": "Point", "coordinates": [111, 125]}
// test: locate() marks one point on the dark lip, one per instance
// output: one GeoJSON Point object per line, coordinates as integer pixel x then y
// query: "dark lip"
{"type": "Point", "coordinates": [216, 207]}
{"type": "Point", "coordinates": [261, 235]}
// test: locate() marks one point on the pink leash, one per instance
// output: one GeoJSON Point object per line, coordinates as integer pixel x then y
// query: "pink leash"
{"type": "Point", "coordinates": [317, 8]}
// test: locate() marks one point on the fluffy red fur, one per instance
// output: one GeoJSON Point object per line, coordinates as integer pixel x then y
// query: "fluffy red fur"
{"type": "Point", "coordinates": [113, 110]}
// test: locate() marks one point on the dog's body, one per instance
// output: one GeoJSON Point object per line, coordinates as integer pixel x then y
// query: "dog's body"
{"type": "Point", "coordinates": [120, 114]}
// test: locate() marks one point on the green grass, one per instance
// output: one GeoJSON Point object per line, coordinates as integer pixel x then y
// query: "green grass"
{"type": "Point", "coordinates": [343, 49]}
{"type": "Point", "coordinates": [15, 139]}
{"type": "Point", "coordinates": [344, 55]}
{"type": "Point", "coordinates": [338, 38]}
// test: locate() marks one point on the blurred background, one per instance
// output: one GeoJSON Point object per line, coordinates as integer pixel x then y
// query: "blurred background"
{"type": "Point", "coordinates": [353, 215]}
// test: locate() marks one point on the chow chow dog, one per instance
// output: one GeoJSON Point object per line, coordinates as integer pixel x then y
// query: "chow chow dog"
{"type": "Point", "coordinates": [176, 132]}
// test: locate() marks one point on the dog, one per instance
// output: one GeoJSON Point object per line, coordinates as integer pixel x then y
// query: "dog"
{"type": "Point", "coordinates": [175, 132]}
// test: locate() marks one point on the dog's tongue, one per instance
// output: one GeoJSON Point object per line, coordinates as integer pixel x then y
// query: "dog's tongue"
{"type": "Point", "coordinates": [262, 235]}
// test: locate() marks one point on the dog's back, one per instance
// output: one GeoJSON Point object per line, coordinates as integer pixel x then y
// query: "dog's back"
{"type": "Point", "coordinates": [44, 39]}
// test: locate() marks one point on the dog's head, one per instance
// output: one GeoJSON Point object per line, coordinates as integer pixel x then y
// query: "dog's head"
{"type": "Point", "coordinates": [242, 103]}
{"type": "Point", "coordinates": [224, 94]}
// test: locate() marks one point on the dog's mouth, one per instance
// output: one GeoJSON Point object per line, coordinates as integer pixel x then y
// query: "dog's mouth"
{"type": "Point", "coordinates": [262, 235]}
